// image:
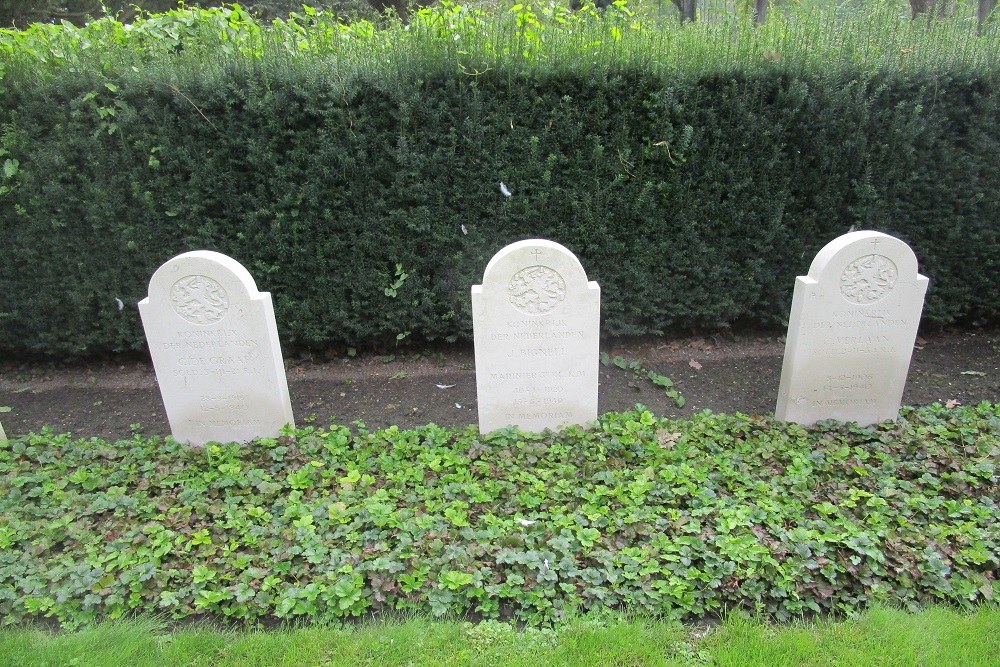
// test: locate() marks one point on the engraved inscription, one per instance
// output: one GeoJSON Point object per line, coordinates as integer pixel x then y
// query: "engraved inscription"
{"type": "Point", "coordinates": [858, 320]}
{"type": "Point", "coordinates": [844, 402]}
{"type": "Point", "coordinates": [223, 403]}
{"type": "Point", "coordinates": [545, 415]}
{"type": "Point", "coordinates": [849, 382]}
{"type": "Point", "coordinates": [199, 299]}
{"type": "Point", "coordinates": [853, 346]}
{"type": "Point", "coordinates": [868, 279]}
{"type": "Point", "coordinates": [539, 375]}
{"type": "Point", "coordinates": [536, 290]}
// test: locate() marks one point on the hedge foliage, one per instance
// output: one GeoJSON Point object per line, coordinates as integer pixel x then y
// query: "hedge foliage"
{"type": "Point", "coordinates": [695, 170]}
{"type": "Point", "coordinates": [680, 518]}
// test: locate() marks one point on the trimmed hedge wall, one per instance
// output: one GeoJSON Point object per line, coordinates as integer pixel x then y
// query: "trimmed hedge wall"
{"type": "Point", "coordinates": [693, 200]}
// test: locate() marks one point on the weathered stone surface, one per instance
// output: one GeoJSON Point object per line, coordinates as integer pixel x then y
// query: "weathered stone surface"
{"type": "Point", "coordinates": [214, 344]}
{"type": "Point", "coordinates": [536, 321]}
{"type": "Point", "coordinates": [851, 331]}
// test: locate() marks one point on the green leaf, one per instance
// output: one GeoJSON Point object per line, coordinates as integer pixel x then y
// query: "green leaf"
{"type": "Point", "coordinates": [621, 362]}
{"type": "Point", "coordinates": [10, 167]}
{"type": "Point", "coordinates": [455, 580]}
{"type": "Point", "coordinates": [660, 380]}
{"type": "Point", "coordinates": [5, 408]}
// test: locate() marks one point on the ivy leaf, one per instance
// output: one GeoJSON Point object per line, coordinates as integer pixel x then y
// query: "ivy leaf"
{"type": "Point", "coordinates": [10, 167]}
{"type": "Point", "coordinates": [987, 591]}
{"type": "Point", "coordinates": [660, 380]}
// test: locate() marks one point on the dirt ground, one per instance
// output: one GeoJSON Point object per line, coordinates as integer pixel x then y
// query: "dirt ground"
{"type": "Point", "coordinates": [722, 373]}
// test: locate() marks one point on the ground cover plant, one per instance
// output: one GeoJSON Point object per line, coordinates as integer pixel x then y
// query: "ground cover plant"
{"type": "Point", "coordinates": [676, 518]}
{"type": "Point", "coordinates": [694, 170]}
{"type": "Point", "coordinates": [937, 636]}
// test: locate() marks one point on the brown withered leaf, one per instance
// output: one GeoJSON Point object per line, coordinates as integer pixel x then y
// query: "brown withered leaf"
{"type": "Point", "coordinates": [666, 439]}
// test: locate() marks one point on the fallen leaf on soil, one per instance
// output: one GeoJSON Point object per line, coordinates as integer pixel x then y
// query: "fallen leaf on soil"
{"type": "Point", "coordinates": [444, 386]}
{"type": "Point", "coordinates": [5, 408]}
{"type": "Point", "coordinates": [952, 403]}
{"type": "Point", "coordinates": [978, 373]}
{"type": "Point", "coordinates": [921, 341]}
{"type": "Point", "coordinates": [666, 438]}
{"type": "Point", "coordinates": [694, 364]}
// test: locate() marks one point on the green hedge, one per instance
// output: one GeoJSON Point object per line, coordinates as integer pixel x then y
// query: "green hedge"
{"type": "Point", "coordinates": [681, 518]}
{"type": "Point", "coordinates": [693, 195]}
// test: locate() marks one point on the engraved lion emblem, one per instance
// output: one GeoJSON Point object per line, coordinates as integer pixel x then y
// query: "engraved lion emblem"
{"type": "Point", "coordinates": [536, 290]}
{"type": "Point", "coordinates": [868, 279]}
{"type": "Point", "coordinates": [199, 299]}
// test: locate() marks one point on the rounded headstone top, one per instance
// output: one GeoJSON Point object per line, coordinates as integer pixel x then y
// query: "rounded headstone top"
{"type": "Point", "coordinates": [865, 265]}
{"type": "Point", "coordinates": [535, 275]}
{"type": "Point", "coordinates": [202, 285]}
{"type": "Point", "coordinates": [540, 253]}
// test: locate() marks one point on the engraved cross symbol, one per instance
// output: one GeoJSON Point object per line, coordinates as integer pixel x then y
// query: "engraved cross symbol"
{"type": "Point", "coordinates": [536, 252]}
{"type": "Point", "coordinates": [875, 243]}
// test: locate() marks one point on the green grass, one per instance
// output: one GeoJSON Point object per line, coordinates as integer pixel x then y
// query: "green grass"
{"type": "Point", "coordinates": [935, 637]}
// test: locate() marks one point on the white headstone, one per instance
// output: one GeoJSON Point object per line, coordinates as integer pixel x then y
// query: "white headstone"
{"type": "Point", "coordinates": [214, 344]}
{"type": "Point", "coordinates": [536, 321]}
{"type": "Point", "coordinates": [851, 332]}
{"type": "Point", "coordinates": [3, 436]}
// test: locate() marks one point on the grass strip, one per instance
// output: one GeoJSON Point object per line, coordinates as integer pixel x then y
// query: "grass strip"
{"type": "Point", "coordinates": [936, 636]}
